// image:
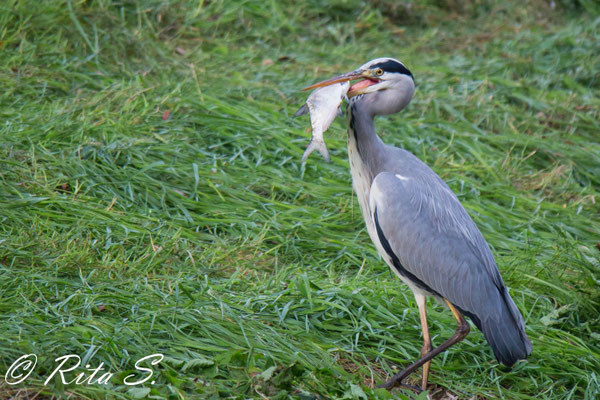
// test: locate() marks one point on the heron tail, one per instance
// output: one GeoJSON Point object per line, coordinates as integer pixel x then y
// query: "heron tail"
{"type": "Point", "coordinates": [505, 332]}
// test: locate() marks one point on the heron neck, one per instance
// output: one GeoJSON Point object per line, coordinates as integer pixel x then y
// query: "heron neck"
{"type": "Point", "coordinates": [362, 138]}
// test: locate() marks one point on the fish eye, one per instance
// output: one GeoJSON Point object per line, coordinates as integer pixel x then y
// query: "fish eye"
{"type": "Point", "coordinates": [378, 72]}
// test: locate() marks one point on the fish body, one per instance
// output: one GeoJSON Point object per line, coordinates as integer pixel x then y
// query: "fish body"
{"type": "Point", "coordinates": [323, 106]}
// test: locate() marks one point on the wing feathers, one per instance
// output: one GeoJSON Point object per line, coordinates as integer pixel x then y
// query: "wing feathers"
{"type": "Point", "coordinates": [429, 234]}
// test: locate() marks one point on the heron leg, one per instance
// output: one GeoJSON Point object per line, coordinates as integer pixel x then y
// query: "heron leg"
{"type": "Point", "coordinates": [422, 304]}
{"type": "Point", "coordinates": [461, 331]}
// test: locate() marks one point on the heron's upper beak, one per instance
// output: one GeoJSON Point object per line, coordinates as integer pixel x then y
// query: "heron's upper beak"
{"type": "Point", "coordinates": [366, 76]}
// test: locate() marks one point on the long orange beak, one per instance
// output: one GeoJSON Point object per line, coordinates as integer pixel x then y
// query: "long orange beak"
{"type": "Point", "coordinates": [358, 74]}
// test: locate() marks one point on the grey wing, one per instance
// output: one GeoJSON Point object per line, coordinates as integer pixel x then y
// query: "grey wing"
{"type": "Point", "coordinates": [427, 234]}
{"type": "Point", "coordinates": [433, 237]}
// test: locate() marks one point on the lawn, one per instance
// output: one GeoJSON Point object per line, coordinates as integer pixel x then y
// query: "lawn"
{"type": "Point", "coordinates": [153, 202]}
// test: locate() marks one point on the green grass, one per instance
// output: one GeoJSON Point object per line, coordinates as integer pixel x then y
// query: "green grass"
{"type": "Point", "coordinates": [152, 198]}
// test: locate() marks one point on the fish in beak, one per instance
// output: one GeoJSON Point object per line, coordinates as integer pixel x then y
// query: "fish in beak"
{"type": "Point", "coordinates": [323, 105]}
{"type": "Point", "coordinates": [324, 102]}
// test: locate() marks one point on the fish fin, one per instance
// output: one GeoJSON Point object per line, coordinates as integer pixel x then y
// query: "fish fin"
{"type": "Point", "coordinates": [316, 145]}
{"type": "Point", "coordinates": [301, 111]}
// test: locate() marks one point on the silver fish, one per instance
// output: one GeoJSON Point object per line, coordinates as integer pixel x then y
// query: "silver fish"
{"type": "Point", "coordinates": [323, 105]}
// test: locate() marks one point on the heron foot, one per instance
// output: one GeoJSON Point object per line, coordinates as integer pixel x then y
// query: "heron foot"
{"type": "Point", "coordinates": [396, 380]}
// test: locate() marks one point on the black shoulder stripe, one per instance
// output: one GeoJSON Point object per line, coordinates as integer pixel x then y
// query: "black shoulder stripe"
{"type": "Point", "coordinates": [399, 267]}
{"type": "Point", "coordinates": [393, 66]}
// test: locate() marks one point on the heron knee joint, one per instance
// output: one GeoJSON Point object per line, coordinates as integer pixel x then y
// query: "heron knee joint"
{"type": "Point", "coordinates": [463, 328]}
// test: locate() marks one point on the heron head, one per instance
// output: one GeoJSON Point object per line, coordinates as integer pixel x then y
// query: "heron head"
{"type": "Point", "coordinates": [387, 85]}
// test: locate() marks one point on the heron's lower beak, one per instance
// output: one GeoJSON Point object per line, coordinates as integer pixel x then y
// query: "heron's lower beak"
{"type": "Point", "coordinates": [359, 87]}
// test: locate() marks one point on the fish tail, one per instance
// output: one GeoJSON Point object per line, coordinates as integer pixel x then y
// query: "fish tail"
{"type": "Point", "coordinates": [316, 145]}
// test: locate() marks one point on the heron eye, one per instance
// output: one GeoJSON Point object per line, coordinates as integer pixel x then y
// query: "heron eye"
{"type": "Point", "coordinates": [378, 72]}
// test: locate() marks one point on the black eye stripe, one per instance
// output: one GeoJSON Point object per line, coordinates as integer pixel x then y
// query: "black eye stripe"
{"type": "Point", "coordinates": [392, 66]}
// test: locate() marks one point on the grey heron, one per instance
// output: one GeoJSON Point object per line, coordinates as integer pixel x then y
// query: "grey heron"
{"type": "Point", "coordinates": [419, 226]}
